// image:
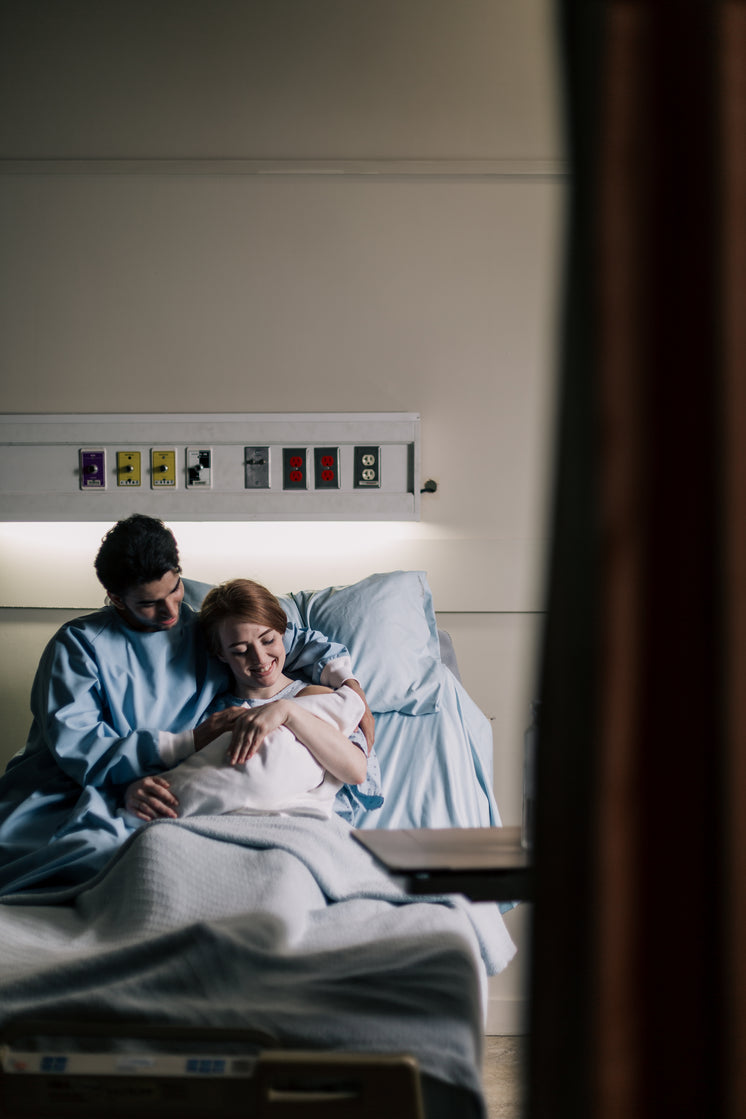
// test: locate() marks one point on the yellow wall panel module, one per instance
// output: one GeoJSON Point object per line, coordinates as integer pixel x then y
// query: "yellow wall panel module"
{"type": "Point", "coordinates": [129, 468]}
{"type": "Point", "coordinates": [163, 469]}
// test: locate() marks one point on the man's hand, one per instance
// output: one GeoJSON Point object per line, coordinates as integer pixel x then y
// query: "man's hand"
{"type": "Point", "coordinates": [150, 798]}
{"type": "Point", "coordinates": [367, 723]}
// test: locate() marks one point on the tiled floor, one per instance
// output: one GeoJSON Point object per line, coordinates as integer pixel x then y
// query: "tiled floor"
{"type": "Point", "coordinates": [504, 1062]}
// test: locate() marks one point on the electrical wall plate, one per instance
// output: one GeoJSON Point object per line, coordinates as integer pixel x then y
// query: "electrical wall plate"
{"type": "Point", "coordinates": [367, 468]}
{"type": "Point", "coordinates": [294, 468]}
{"type": "Point", "coordinates": [256, 468]}
{"type": "Point", "coordinates": [326, 468]}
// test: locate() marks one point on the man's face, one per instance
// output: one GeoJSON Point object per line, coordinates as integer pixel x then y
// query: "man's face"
{"type": "Point", "coordinates": [152, 606]}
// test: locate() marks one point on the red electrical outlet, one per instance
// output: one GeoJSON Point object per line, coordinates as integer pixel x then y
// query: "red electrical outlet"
{"type": "Point", "coordinates": [326, 468]}
{"type": "Point", "coordinates": [294, 469]}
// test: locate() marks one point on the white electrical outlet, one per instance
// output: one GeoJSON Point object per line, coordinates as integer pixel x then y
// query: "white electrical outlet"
{"type": "Point", "coordinates": [367, 470]}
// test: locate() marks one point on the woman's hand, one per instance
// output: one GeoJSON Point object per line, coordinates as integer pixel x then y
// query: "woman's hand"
{"type": "Point", "coordinates": [215, 725]}
{"type": "Point", "coordinates": [252, 725]}
{"type": "Point", "coordinates": [150, 798]}
{"type": "Point", "coordinates": [367, 723]}
{"type": "Point", "coordinates": [368, 726]}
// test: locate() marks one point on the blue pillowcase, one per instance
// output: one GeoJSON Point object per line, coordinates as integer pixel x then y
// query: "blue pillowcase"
{"type": "Point", "coordinates": [388, 624]}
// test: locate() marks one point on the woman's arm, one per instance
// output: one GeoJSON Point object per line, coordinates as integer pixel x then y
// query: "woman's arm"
{"type": "Point", "coordinates": [332, 749]}
{"type": "Point", "coordinates": [367, 722]}
{"type": "Point", "coordinates": [329, 746]}
{"type": "Point", "coordinates": [327, 663]}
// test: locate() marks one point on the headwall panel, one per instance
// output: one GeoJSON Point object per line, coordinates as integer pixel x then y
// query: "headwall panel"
{"type": "Point", "coordinates": [281, 466]}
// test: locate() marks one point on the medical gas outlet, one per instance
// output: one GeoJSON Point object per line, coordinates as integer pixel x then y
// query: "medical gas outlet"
{"type": "Point", "coordinates": [163, 469]}
{"type": "Point", "coordinates": [92, 468]}
{"type": "Point", "coordinates": [129, 469]}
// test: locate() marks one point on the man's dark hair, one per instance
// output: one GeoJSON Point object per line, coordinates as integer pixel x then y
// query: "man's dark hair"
{"type": "Point", "coordinates": [137, 550]}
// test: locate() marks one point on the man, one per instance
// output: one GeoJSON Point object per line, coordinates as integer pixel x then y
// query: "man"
{"type": "Point", "coordinates": [121, 695]}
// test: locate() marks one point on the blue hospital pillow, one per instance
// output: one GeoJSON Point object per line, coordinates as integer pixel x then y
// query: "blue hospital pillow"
{"type": "Point", "coordinates": [388, 624]}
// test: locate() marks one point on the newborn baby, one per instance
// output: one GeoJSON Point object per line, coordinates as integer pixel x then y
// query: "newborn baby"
{"type": "Point", "coordinates": [281, 777]}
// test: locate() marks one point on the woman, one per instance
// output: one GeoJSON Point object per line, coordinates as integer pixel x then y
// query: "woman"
{"type": "Point", "coordinates": [300, 744]}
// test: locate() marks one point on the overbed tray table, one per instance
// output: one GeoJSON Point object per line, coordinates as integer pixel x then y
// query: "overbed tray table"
{"type": "Point", "coordinates": [484, 864]}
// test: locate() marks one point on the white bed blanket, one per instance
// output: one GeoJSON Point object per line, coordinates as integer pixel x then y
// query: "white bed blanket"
{"type": "Point", "coordinates": [284, 924]}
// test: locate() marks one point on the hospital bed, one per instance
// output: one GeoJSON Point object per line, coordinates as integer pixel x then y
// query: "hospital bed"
{"type": "Point", "coordinates": [265, 963]}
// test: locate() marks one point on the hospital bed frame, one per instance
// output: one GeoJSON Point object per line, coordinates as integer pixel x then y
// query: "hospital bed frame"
{"type": "Point", "coordinates": [279, 1084]}
{"type": "Point", "coordinates": [262, 1081]}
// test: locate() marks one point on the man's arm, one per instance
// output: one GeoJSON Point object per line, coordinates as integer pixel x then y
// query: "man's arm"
{"type": "Point", "coordinates": [70, 707]}
{"type": "Point", "coordinates": [314, 657]}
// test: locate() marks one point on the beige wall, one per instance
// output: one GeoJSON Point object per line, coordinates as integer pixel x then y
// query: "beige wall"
{"type": "Point", "coordinates": [279, 79]}
{"type": "Point", "coordinates": [350, 205]}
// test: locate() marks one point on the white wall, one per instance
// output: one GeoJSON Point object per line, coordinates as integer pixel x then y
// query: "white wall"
{"type": "Point", "coordinates": [350, 205]}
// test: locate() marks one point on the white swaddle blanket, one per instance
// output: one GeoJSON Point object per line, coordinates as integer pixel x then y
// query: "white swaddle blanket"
{"type": "Point", "coordinates": [283, 776]}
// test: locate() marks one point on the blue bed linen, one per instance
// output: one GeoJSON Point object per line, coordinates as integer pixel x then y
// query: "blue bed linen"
{"type": "Point", "coordinates": [436, 769]}
{"type": "Point", "coordinates": [387, 622]}
{"type": "Point", "coordinates": [434, 745]}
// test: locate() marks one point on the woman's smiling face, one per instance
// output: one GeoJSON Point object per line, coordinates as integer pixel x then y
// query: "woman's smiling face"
{"type": "Point", "coordinates": [255, 655]}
